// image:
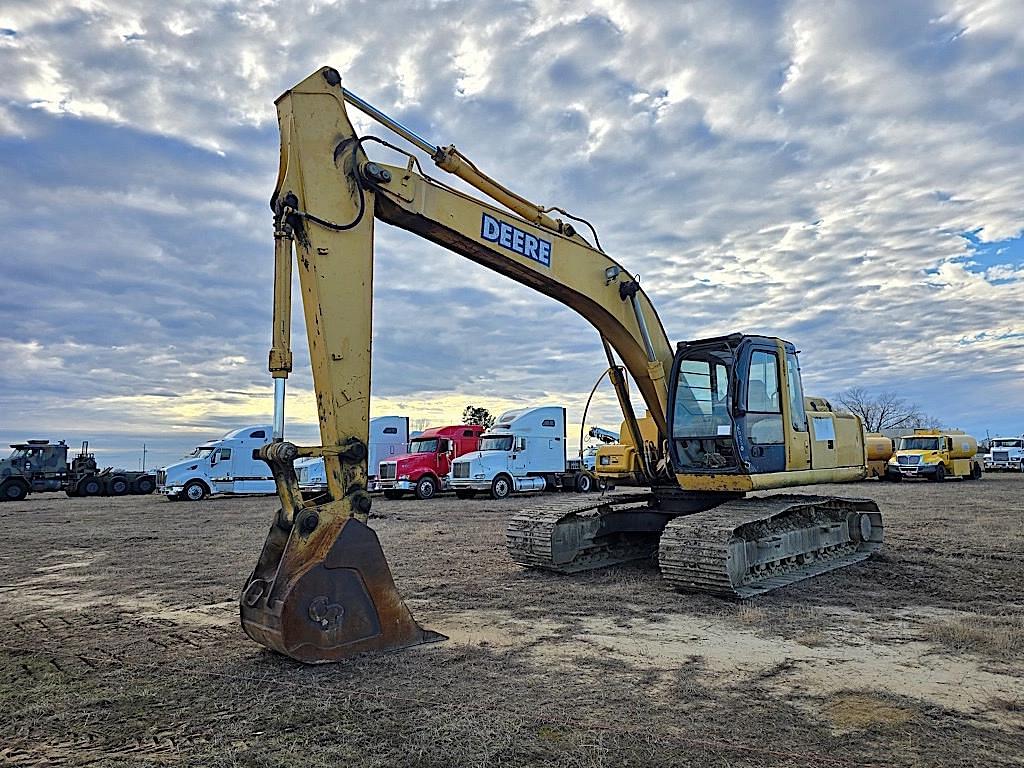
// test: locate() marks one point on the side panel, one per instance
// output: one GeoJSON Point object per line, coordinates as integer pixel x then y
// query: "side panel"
{"type": "Point", "coordinates": [850, 447]}
{"type": "Point", "coordinates": [823, 439]}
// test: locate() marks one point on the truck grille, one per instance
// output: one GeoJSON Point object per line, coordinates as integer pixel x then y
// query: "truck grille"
{"type": "Point", "coordinates": [460, 469]}
{"type": "Point", "coordinates": [161, 477]}
{"type": "Point", "coordinates": [908, 460]}
{"type": "Point", "coordinates": [388, 470]}
{"type": "Point", "coordinates": [1000, 455]}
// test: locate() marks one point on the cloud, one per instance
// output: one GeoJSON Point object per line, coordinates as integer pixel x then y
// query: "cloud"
{"type": "Point", "coordinates": [839, 175]}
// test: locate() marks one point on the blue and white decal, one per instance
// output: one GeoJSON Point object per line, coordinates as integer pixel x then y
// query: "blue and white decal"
{"type": "Point", "coordinates": [515, 240]}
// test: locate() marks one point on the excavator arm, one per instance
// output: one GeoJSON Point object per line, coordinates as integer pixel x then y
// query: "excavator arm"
{"type": "Point", "coordinates": [322, 589]}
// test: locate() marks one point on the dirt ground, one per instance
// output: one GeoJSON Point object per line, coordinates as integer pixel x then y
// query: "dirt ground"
{"type": "Point", "coordinates": [120, 645]}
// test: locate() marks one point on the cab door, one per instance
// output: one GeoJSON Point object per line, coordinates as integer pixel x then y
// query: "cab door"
{"type": "Point", "coordinates": [762, 401]}
{"type": "Point", "coordinates": [519, 459]}
{"type": "Point", "coordinates": [221, 465]}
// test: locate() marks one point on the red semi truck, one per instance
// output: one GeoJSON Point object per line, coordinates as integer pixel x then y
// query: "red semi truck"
{"type": "Point", "coordinates": [424, 469]}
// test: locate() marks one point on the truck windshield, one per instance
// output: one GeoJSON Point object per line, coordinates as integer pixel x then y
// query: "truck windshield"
{"type": "Point", "coordinates": [1008, 443]}
{"type": "Point", "coordinates": [496, 443]}
{"type": "Point", "coordinates": [423, 446]}
{"type": "Point", "coordinates": [19, 453]}
{"type": "Point", "coordinates": [202, 451]}
{"type": "Point", "coordinates": [919, 443]}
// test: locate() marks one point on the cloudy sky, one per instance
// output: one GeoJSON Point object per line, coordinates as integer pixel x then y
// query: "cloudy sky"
{"type": "Point", "coordinates": [846, 175]}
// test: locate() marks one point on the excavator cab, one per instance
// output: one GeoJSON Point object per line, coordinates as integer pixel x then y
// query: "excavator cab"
{"type": "Point", "coordinates": [737, 413]}
{"type": "Point", "coordinates": [730, 399]}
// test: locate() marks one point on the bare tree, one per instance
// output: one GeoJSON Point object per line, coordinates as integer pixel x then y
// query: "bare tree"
{"type": "Point", "coordinates": [883, 411]}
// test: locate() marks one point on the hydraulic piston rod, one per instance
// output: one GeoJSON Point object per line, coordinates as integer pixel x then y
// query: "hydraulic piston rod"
{"type": "Point", "coordinates": [280, 363]}
{"type": "Point", "coordinates": [391, 124]}
{"type": "Point", "coordinates": [451, 160]}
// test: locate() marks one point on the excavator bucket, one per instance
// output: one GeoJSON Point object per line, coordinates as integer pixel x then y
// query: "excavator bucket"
{"type": "Point", "coordinates": [326, 595]}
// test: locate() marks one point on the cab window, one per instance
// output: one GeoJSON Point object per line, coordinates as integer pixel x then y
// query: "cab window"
{"type": "Point", "coordinates": [702, 400]}
{"type": "Point", "coordinates": [763, 383]}
{"type": "Point", "coordinates": [796, 394]}
{"type": "Point", "coordinates": [764, 407]}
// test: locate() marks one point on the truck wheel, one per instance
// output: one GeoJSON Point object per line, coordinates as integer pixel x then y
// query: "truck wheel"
{"type": "Point", "coordinates": [501, 488]}
{"type": "Point", "coordinates": [144, 486]}
{"type": "Point", "coordinates": [940, 474]}
{"type": "Point", "coordinates": [13, 491]}
{"type": "Point", "coordinates": [90, 486]}
{"type": "Point", "coordinates": [117, 486]}
{"type": "Point", "coordinates": [426, 488]}
{"type": "Point", "coordinates": [393, 495]}
{"type": "Point", "coordinates": [465, 494]}
{"type": "Point", "coordinates": [194, 490]}
{"type": "Point", "coordinates": [584, 483]}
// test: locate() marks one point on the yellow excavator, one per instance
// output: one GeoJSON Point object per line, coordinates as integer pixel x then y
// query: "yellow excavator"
{"type": "Point", "coordinates": [729, 413]}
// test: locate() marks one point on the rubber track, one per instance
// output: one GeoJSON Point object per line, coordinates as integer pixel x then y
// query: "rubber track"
{"type": "Point", "coordinates": [695, 550]}
{"type": "Point", "coordinates": [529, 532]}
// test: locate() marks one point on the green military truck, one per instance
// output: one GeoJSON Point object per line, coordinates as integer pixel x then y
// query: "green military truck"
{"type": "Point", "coordinates": [39, 465]}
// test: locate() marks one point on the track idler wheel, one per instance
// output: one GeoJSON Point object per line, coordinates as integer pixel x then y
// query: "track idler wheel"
{"type": "Point", "coordinates": [321, 596]}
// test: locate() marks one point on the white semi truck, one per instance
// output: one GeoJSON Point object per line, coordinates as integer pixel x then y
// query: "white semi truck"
{"type": "Point", "coordinates": [1005, 454]}
{"type": "Point", "coordinates": [523, 452]}
{"type": "Point", "coordinates": [223, 466]}
{"type": "Point", "coordinates": [389, 436]}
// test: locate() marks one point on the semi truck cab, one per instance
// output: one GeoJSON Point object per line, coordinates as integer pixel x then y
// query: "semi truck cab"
{"type": "Point", "coordinates": [524, 451]}
{"type": "Point", "coordinates": [424, 468]}
{"type": "Point", "coordinates": [224, 466]}
{"type": "Point", "coordinates": [1005, 454]}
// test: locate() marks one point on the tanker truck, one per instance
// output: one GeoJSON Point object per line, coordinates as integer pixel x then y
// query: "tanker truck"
{"type": "Point", "coordinates": [879, 450]}
{"type": "Point", "coordinates": [935, 455]}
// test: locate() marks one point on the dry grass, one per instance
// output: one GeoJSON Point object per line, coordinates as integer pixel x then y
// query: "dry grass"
{"type": "Point", "coordinates": [860, 711]}
{"type": "Point", "coordinates": [996, 636]}
{"type": "Point", "coordinates": [751, 613]}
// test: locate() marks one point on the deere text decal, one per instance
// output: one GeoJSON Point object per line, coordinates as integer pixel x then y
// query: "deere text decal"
{"type": "Point", "coordinates": [515, 239]}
